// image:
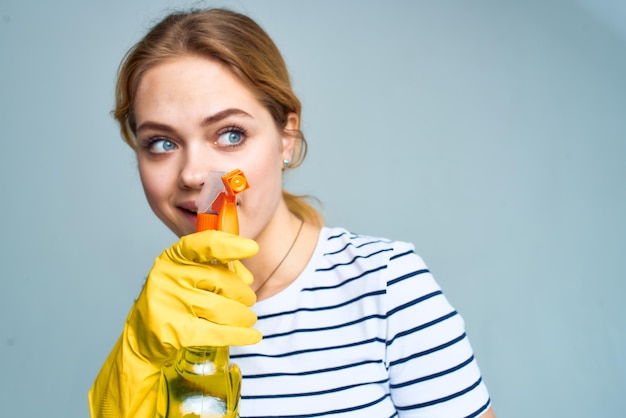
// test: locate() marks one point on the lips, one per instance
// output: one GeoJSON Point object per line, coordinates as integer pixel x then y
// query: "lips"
{"type": "Point", "coordinates": [189, 210]}
{"type": "Point", "coordinates": [189, 207]}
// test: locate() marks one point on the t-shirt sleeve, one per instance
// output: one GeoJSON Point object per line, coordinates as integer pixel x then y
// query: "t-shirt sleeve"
{"type": "Point", "coordinates": [432, 369]}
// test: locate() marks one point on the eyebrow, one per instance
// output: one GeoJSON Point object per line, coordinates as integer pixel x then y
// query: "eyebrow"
{"type": "Point", "coordinates": [223, 114]}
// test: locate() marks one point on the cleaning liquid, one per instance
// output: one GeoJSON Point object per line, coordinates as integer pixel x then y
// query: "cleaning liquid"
{"type": "Point", "coordinates": [202, 382]}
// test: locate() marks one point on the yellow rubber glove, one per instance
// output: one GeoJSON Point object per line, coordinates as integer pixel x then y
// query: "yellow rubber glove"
{"type": "Point", "coordinates": [197, 294]}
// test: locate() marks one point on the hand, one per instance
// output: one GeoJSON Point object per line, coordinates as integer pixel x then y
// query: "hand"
{"type": "Point", "coordinates": [197, 294]}
{"type": "Point", "coordinates": [193, 298]}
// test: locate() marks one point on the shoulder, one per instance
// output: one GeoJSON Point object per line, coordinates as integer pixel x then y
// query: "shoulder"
{"type": "Point", "coordinates": [338, 245]}
{"type": "Point", "coordinates": [337, 240]}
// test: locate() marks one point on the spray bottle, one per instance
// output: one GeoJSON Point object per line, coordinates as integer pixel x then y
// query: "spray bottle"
{"type": "Point", "coordinates": [202, 383]}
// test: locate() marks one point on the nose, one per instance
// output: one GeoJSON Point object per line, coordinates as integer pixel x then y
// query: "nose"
{"type": "Point", "coordinates": [194, 170]}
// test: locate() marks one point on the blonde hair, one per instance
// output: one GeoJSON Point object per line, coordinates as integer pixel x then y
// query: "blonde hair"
{"type": "Point", "coordinates": [244, 47]}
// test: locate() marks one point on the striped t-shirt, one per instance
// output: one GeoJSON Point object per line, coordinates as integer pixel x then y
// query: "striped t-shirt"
{"type": "Point", "coordinates": [365, 331]}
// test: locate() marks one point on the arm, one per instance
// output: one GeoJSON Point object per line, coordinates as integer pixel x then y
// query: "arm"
{"type": "Point", "coordinates": [190, 298]}
{"type": "Point", "coordinates": [489, 414]}
{"type": "Point", "coordinates": [432, 369]}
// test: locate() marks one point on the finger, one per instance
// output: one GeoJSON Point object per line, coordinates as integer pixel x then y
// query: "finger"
{"type": "Point", "coordinates": [192, 331]}
{"type": "Point", "coordinates": [231, 274]}
{"type": "Point", "coordinates": [205, 246]}
{"type": "Point", "coordinates": [244, 274]}
{"type": "Point", "coordinates": [220, 310]}
{"type": "Point", "coordinates": [210, 334]}
{"type": "Point", "coordinates": [236, 290]}
{"type": "Point", "coordinates": [210, 278]}
{"type": "Point", "coordinates": [230, 285]}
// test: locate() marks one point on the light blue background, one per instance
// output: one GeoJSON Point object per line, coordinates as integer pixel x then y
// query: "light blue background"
{"type": "Point", "coordinates": [490, 133]}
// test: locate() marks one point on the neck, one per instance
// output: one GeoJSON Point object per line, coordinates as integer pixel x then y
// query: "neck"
{"type": "Point", "coordinates": [282, 241]}
{"type": "Point", "coordinates": [274, 241]}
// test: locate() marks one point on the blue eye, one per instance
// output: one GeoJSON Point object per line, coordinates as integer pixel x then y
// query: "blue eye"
{"type": "Point", "coordinates": [231, 137]}
{"type": "Point", "coordinates": [159, 146]}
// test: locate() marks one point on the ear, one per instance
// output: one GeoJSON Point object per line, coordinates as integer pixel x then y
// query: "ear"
{"type": "Point", "coordinates": [289, 138]}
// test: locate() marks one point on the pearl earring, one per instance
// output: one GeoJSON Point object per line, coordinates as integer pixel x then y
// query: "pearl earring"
{"type": "Point", "coordinates": [286, 163]}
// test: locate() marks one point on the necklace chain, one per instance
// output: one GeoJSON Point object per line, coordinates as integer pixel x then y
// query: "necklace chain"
{"type": "Point", "coordinates": [283, 259]}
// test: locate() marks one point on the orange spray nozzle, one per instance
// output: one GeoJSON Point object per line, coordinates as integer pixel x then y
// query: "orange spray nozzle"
{"type": "Point", "coordinates": [223, 208]}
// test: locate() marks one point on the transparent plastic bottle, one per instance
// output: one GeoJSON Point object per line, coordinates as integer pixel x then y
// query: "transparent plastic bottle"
{"type": "Point", "coordinates": [201, 383]}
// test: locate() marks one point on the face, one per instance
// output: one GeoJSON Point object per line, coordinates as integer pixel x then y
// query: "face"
{"type": "Point", "coordinates": [193, 116]}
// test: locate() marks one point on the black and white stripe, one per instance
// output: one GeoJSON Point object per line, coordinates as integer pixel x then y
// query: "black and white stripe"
{"type": "Point", "coordinates": [365, 331]}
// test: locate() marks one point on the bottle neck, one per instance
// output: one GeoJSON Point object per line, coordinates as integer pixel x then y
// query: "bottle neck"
{"type": "Point", "coordinates": [203, 360]}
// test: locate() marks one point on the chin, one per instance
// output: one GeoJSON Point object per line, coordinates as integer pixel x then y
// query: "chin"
{"type": "Point", "coordinates": [181, 229]}
{"type": "Point", "coordinates": [187, 231]}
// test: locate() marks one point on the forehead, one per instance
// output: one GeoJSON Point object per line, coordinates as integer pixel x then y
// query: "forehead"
{"type": "Point", "coordinates": [189, 81]}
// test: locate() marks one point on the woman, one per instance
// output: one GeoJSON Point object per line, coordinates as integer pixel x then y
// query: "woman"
{"type": "Point", "coordinates": [352, 325]}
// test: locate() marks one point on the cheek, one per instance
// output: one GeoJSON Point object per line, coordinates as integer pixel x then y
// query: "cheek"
{"type": "Point", "coordinates": [154, 184]}
{"type": "Point", "coordinates": [267, 177]}
{"type": "Point", "coordinates": [260, 202]}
